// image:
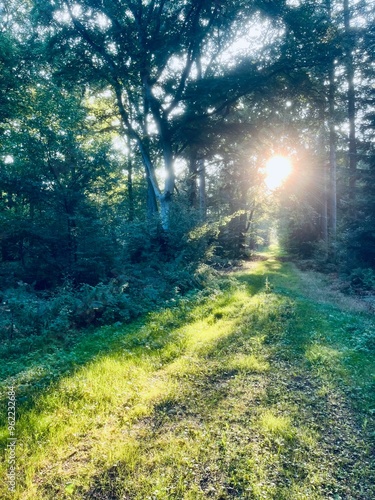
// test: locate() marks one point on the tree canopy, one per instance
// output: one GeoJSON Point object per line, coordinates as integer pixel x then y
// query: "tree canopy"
{"type": "Point", "coordinates": [131, 118]}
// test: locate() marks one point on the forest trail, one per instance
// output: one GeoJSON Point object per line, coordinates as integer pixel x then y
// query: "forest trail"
{"type": "Point", "coordinates": [262, 391]}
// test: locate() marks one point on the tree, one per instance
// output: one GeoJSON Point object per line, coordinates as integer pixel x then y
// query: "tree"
{"type": "Point", "coordinates": [349, 46]}
{"type": "Point", "coordinates": [52, 172]}
{"type": "Point", "coordinates": [162, 61]}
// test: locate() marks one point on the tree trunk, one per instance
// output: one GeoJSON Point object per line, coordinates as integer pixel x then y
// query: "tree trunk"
{"type": "Point", "coordinates": [332, 141]}
{"type": "Point", "coordinates": [161, 121]}
{"type": "Point", "coordinates": [165, 206]}
{"type": "Point", "coordinates": [130, 182]}
{"type": "Point", "coordinates": [324, 176]}
{"type": "Point", "coordinates": [169, 184]}
{"type": "Point", "coordinates": [152, 206]}
{"type": "Point", "coordinates": [202, 189]}
{"type": "Point", "coordinates": [351, 101]}
{"type": "Point", "coordinates": [332, 154]}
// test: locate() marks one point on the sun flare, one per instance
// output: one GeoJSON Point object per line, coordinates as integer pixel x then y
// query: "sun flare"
{"type": "Point", "coordinates": [278, 168]}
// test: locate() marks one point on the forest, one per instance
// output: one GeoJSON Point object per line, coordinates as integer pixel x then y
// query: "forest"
{"type": "Point", "coordinates": [187, 210]}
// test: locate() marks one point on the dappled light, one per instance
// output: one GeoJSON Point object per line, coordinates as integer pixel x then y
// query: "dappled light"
{"type": "Point", "coordinates": [187, 250]}
{"type": "Point", "coordinates": [232, 373]}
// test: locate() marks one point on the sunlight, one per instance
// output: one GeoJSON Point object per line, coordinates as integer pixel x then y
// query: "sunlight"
{"type": "Point", "coordinates": [278, 168]}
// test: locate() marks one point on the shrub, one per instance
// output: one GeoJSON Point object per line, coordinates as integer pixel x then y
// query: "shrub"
{"type": "Point", "coordinates": [23, 311]}
{"type": "Point", "coordinates": [362, 279]}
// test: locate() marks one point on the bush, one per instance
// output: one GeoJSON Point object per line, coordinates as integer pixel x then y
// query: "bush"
{"type": "Point", "coordinates": [151, 268]}
{"type": "Point", "coordinates": [25, 312]}
{"type": "Point", "coordinates": [362, 279]}
{"type": "Point", "coordinates": [22, 312]}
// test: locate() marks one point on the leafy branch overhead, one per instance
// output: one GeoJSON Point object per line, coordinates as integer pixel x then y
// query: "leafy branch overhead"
{"type": "Point", "coordinates": [162, 62]}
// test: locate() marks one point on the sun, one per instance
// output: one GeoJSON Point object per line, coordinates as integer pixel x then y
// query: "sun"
{"type": "Point", "coordinates": [278, 168]}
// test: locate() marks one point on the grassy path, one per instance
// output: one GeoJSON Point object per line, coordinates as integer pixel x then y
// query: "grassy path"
{"type": "Point", "coordinates": [262, 391]}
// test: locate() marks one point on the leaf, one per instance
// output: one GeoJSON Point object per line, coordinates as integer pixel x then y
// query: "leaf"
{"type": "Point", "coordinates": [69, 488]}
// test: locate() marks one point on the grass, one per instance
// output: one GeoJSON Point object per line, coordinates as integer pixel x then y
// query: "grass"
{"type": "Point", "coordinates": [257, 392]}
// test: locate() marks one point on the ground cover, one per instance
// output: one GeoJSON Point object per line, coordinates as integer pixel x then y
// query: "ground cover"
{"type": "Point", "coordinates": [261, 390]}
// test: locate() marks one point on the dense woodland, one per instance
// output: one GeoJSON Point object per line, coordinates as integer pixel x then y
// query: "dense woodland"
{"type": "Point", "coordinates": [187, 249]}
{"type": "Point", "coordinates": [133, 140]}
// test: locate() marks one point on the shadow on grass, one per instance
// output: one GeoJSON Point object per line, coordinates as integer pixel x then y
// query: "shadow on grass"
{"type": "Point", "coordinates": [35, 363]}
{"type": "Point", "coordinates": [154, 339]}
{"type": "Point", "coordinates": [282, 336]}
{"type": "Point", "coordinates": [35, 367]}
{"type": "Point", "coordinates": [278, 444]}
{"type": "Point", "coordinates": [41, 367]}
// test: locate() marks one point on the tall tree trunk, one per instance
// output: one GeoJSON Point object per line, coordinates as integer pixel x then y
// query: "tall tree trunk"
{"type": "Point", "coordinates": [332, 153]}
{"type": "Point", "coordinates": [169, 183]}
{"type": "Point", "coordinates": [324, 177]}
{"type": "Point", "coordinates": [332, 140]}
{"type": "Point", "coordinates": [153, 191]}
{"type": "Point", "coordinates": [161, 121]}
{"type": "Point", "coordinates": [130, 182]}
{"type": "Point", "coordinates": [165, 207]}
{"type": "Point", "coordinates": [166, 198]}
{"type": "Point", "coordinates": [351, 101]}
{"type": "Point", "coordinates": [152, 206]}
{"type": "Point", "coordinates": [202, 189]}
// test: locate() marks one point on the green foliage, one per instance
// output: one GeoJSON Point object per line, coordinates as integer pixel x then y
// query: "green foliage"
{"type": "Point", "coordinates": [90, 94]}
{"type": "Point", "coordinates": [143, 287]}
{"type": "Point", "coordinates": [51, 178]}
{"type": "Point", "coordinates": [22, 312]}
{"type": "Point", "coordinates": [362, 279]}
{"type": "Point", "coordinates": [301, 234]}
{"type": "Point", "coordinates": [275, 385]}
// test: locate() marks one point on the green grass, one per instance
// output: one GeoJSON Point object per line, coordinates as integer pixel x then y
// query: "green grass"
{"type": "Point", "coordinates": [257, 392]}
